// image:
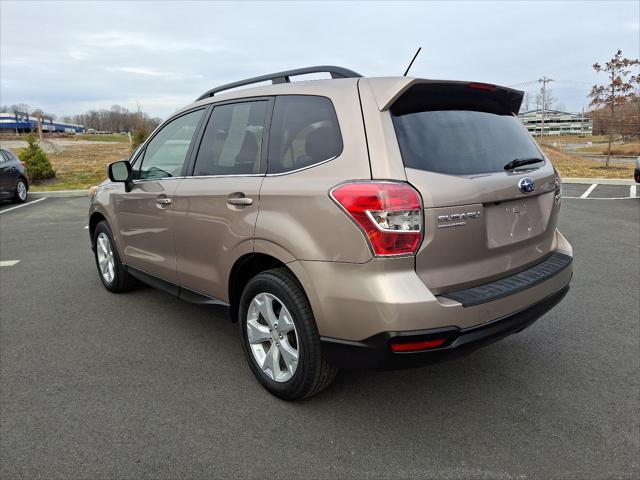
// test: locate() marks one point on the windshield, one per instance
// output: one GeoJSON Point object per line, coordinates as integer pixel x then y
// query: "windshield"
{"type": "Point", "coordinates": [462, 142]}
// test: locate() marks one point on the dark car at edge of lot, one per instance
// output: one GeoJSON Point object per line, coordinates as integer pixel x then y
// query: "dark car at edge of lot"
{"type": "Point", "coordinates": [13, 177]}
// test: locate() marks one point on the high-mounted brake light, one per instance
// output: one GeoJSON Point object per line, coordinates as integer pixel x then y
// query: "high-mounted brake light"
{"type": "Point", "coordinates": [389, 213]}
{"type": "Point", "coordinates": [482, 86]}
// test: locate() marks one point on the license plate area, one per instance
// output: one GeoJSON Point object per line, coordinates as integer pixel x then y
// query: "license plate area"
{"type": "Point", "coordinates": [515, 221]}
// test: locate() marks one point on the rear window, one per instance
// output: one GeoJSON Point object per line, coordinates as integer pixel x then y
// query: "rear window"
{"type": "Point", "coordinates": [461, 142]}
{"type": "Point", "coordinates": [304, 132]}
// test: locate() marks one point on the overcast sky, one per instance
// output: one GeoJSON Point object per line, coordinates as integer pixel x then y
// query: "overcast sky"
{"type": "Point", "coordinates": [67, 58]}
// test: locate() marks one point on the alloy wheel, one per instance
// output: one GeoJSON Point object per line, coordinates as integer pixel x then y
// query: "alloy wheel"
{"type": "Point", "coordinates": [104, 252]}
{"type": "Point", "coordinates": [22, 191]}
{"type": "Point", "coordinates": [272, 337]}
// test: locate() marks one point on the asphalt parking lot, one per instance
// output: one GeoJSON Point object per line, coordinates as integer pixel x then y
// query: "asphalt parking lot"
{"type": "Point", "coordinates": [95, 385]}
{"type": "Point", "coordinates": [591, 191]}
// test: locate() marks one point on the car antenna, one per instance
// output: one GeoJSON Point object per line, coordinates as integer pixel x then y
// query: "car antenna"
{"type": "Point", "coordinates": [412, 60]}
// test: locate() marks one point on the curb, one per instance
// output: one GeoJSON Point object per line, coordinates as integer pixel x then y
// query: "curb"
{"type": "Point", "coordinates": [625, 158]}
{"type": "Point", "coordinates": [60, 194]}
{"type": "Point", "coordinates": [600, 181]}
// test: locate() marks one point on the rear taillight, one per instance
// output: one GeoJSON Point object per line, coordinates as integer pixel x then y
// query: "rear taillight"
{"type": "Point", "coordinates": [557, 187]}
{"type": "Point", "coordinates": [389, 213]}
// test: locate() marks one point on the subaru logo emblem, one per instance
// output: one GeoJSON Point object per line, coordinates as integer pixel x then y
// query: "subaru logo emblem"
{"type": "Point", "coordinates": [527, 185]}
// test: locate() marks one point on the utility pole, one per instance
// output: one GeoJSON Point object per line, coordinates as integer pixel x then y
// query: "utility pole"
{"type": "Point", "coordinates": [544, 80]}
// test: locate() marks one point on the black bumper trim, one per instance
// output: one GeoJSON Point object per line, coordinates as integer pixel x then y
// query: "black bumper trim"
{"type": "Point", "coordinates": [551, 266]}
{"type": "Point", "coordinates": [375, 352]}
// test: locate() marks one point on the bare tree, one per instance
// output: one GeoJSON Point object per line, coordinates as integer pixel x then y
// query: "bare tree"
{"type": "Point", "coordinates": [620, 88]}
{"type": "Point", "coordinates": [526, 101]}
{"type": "Point", "coordinates": [630, 125]}
{"type": "Point", "coordinates": [549, 100]}
{"type": "Point", "coordinates": [42, 114]}
{"type": "Point", "coordinates": [20, 108]}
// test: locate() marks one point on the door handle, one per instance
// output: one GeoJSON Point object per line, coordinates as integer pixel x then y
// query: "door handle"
{"type": "Point", "coordinates": [163, 201]}
{"type": "Point", "coordinates": [240, 201]}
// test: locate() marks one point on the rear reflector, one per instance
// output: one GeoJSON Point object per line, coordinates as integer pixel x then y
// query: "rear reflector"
{"type": "Point", "coordinates": [482, 86]}
{"type": "Point", "coordinates": [415, 346]}
{"type": "Point", "coordinates": [389, 213]}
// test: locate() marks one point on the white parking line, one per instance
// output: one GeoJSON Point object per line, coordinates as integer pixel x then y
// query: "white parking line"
{"type": "Point", "coordinates": [589, 190]}
{"type": "Point", "coordinates": [599, 198]}
{"type": "Point", "coordinates": [632, 191]}
{"type": "Point", "coordinates": [8, 263]}
{"type": "Point", "coordinates": [23, 205]}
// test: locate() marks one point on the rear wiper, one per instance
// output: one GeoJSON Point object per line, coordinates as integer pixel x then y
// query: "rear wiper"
{"type": "Point", "coordinates": [519, 162]}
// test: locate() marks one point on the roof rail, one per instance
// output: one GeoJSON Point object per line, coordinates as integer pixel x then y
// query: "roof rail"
{"type": "Point", "coordinates": [284, 77]}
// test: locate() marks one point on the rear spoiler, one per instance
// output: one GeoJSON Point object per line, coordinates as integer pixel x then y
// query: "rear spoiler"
{"type": "Point", "coordinates": [404, 95]}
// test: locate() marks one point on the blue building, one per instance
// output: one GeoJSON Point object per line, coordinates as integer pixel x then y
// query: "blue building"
{"type": "Point", "coordinates": [23, 123]}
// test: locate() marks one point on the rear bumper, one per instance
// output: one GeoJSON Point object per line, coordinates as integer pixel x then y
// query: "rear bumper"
{"type": "Point", "coordinates": [355, 302]}
{"type": "Point", "coordinates": [375, 352]}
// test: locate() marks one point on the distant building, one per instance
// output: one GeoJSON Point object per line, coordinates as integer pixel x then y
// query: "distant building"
{"type": "Point", "coordinates": [22, 123]}
{"type": "Point", "coordinates": [556, 123]}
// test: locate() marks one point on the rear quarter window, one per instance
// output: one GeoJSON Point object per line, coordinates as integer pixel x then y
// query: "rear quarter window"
{"type": "Point", "coordinates": [304, 132]}
{"type": "Point", "coordinates": [461, 142]}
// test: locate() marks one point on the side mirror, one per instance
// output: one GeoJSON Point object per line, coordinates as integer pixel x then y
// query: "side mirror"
{"type": "Point", "coordinates": [121, 172]}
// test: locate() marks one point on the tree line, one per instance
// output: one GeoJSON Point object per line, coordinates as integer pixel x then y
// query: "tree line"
{"type": "Point", "coordinates": [617, 98]}
{"type": "Point", "coordinates": [625, 121]}
{"type": "Point", "coordinates": [116, 119]}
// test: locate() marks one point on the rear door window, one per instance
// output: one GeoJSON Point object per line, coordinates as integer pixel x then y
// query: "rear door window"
{"type": "Point", "coordinates": [462, 142]}
{"type": "Point", "coordinates": [304, 132]}
{"type": "Point", "coordinates": [9, 156]}
{"type": "Point", "coordinates": [166, 152]}
{"type": "Point", "coordinates": [232, 140]}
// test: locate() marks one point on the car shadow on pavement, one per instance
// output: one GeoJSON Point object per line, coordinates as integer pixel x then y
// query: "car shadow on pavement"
{"type": "Point", "coordinates": [509, 373]}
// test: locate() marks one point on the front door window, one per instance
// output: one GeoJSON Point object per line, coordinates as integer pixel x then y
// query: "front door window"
{"type": "Point", "coordinates": [166, 153]}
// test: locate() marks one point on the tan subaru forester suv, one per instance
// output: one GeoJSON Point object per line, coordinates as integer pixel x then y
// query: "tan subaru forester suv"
{"type": "Point", "coordinates": [347, 223]}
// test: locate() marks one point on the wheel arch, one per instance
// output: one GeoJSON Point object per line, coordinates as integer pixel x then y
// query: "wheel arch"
{"type": "Point", "coordinates": [25, 179]}
{"type": "Point", "coordinates": [245, 268]}
{"type": "Point", "coordinates": [94, 220]}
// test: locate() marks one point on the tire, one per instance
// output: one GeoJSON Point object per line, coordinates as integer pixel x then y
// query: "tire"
{"type": "Point", "coordinates": [312, 373]}
{"type": "Point", "coordinates": [20, 195]}
{"type": "Point", "coordinates": [112, 273]}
